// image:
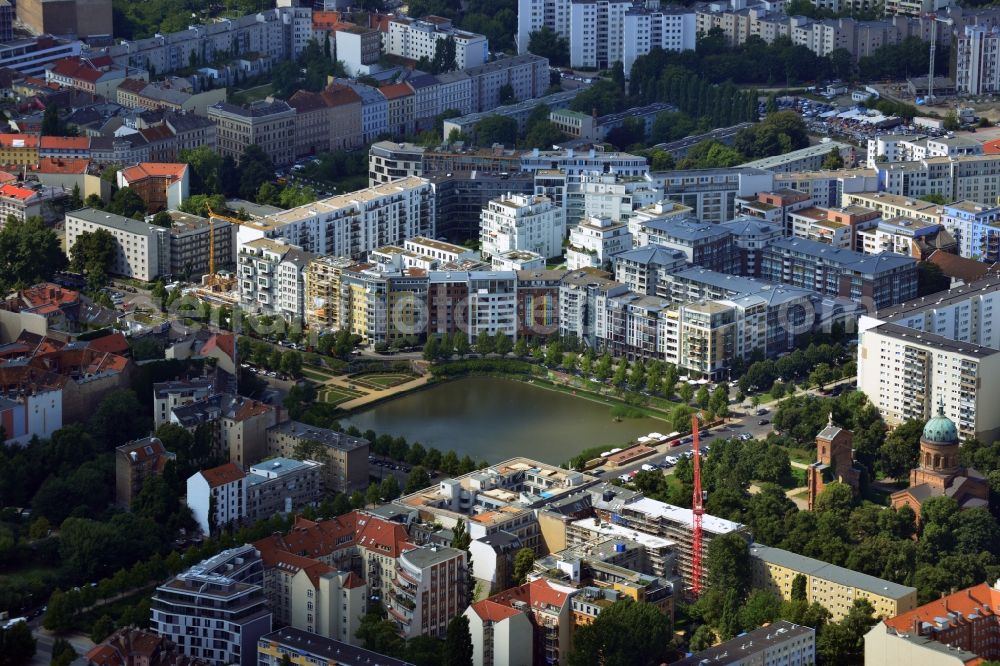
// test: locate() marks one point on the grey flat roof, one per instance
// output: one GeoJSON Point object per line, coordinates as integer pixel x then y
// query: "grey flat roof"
{"type": "Point", "coordinates": [830, 572]}
{"type": "Point", "coordinates": [116, 222]}
{"type": "Point", "coordinates": [687, 229]}
{"type": "Point", "coordinates": [333, 651]}
{"type": "Point", "coordinates": [802, 153]}
{"type": "Point", "coordinates": [914, 336]}
{"type": "Point", "coordinates": [862, 263]}
{"type": "Point", "coordinates": [746, 645]}
{"type": "Point", "coordinates": [745, 225]}
{"type": "Point", "coordinates": [324, 436]}
{"type": "Point", "coordinates": [941, 299]}
{"type": "Point", "coordinates": [652, 253]}
{"type": "Point", "coordinates": [429, 555]}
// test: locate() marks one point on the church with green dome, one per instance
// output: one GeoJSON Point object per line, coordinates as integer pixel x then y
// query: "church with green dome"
{"type": "Point", "coordinates": [939, 471]}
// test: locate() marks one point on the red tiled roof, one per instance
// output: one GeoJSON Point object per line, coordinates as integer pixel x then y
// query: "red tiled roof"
{"type": "Point", "coordinates": [223, 474]}
{"type": "Point", "coordinates": [53, 165]}
{"type": "Point", "coordinates": [157, 133]}
{"type": "Point", "coordinates": [352, 581]}
{"type": "Point", "coordinates": [15, 192]}
{"type": "Point", "coordinates": [382, 536]}
{"type": "Point", "coordinates": [325, 20]}
{"type": "Point", "coordinates": [304, 101]}
{"type": "Point", "coordinates": [249, 408]}
{"type": "Point", "coordinates": [312, 539]}
{"type": "Point", "coordinates": [395, 90]}
{"type": "Point", "coordinates": [963, 268]}
{"type": "Point", "coordinates": [172, 170]}
{"type": "Point", "coordinates": [6, 177]}
{"type": "Point", "coordinates": [77, 68]}
{"type": "Point", "coordinates": [133, 85]}
{"type": "Point", "coordinates": [140, 446]}
{"type": "Point", "coordinates": [225, 342]}
{"type": "Point", "coordinates": [19, 140]}
{"type": "Point", "coordinates": [538, 594]}
{"type": "Point", "coordinates": [47, 292]}
{"type": "Point", "coordinates": [965, 601]}
{"type": "Point", "coordinates": [491, 611]}
{"type": "Point", "coordinates": [340, 95]}
{"type": "Point", "coordinates": [65, 142]}
{"type": "Point", "coordinates": [113, 344]}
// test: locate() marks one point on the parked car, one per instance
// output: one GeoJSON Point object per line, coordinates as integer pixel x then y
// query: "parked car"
{"type": "Point", "coordinates": [763, 422]}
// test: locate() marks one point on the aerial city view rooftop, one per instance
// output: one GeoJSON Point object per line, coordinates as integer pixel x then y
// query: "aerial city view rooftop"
{"type": "Point", "coordinates": [523, 333]}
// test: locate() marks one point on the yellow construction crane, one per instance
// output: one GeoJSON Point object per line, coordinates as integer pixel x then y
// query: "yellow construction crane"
{"type": "Point", "coordinates": [211, 236]}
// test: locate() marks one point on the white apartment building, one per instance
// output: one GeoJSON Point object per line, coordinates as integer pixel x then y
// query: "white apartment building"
{"type": "Point", "coordinates": [971, 177]}
{"type": "Point", "coordinates": [142, 250]}
{"type": "Point", "coordinates": [668, 28]}
{"type": "Point", "coordinates": [223, 489]}
{"type": "Point", "coordinates": [492, 303]}
{"type": "Point", "coordinates": [522, 222]}
{"type": "Point", "coordinates": [439, 250]}
{"type": "Point", "coordinates": [595, 241]}
{"type": "Point", "coordinates": [617, 197]}
{"type": "Point", "coordinates": [910, 147]}
{"type": "Point", "coordinates": [271, 277]}
{"type": "Point", "coordinates": [603, 32]}
{"type": "Point", "coordinates": [418, 38]}
{"type": "Point", "coordinates": [943, 348]}
{"type": "Point", "coordinates": [354, 223]}
{"type": "Point", "coordinates": [216, 610]}
{"type": "Point", "coordinates": [978, 62]}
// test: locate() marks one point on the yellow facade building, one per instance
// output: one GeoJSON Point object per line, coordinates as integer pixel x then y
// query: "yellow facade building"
{"type": "Point", "coordinates": [835, 588]}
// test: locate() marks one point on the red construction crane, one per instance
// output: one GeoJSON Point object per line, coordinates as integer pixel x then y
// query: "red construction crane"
{"type": "Point", "coordinates": [697, 511]}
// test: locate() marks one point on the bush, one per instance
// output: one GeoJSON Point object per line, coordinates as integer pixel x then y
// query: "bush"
{"type": "Point", "coordinates": [481, 365]}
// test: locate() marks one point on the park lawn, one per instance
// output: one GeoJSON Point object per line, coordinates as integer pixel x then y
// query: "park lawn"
{"type": "Point", "coordinates": [315, 375]}
{"type": "Point", "coordinates": [336, 394]}
{"type": "Point", "coordinates": [382, 381]}
{"type": "Point", "coordinates": [254, 94]}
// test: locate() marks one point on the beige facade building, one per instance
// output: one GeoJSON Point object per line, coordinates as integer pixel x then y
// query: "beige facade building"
{"type": "Point", "coordinates": [135, 463]}
{"type": "Point", "coordinates": [345, 457]}
{"type": "Point", "coordinates": [835, 588]}
{"type": "Point", "coordinates": [323, 279]}
{"type": "Point", "coordinates": [78, 18]}
{"type": "Point", "coordinates": [345, 117]}
{"type": "Point", "coordinates": [269, 124]}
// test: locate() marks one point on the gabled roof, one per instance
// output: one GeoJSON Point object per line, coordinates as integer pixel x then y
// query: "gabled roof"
{"type": "Point", "coordinates": [223, 474]}
{"type": "Point", "coordinates": [382, 536]}
{"type": "Point", "coordinates": [173, 171]}
{"type": "Point", "coordinates": [65, 143]}
{"type": "Point", "coordinates": [978, 600]}
{"type": "Point", "coordinates": [491, 611]}
{"type": "Point", "coordinates": [66, 165]}
{"type": "Point", "coordinates": [224, 342]}
{"type": "Point", "coordinates": [338, 95]}
{"type": "Point", "coordinates": [14, 192]}
{"type": "Point", "coordinates": [538, 595]}
{"type": "Point", "coordinates": [113, 344]}
{"type": "Point", "coordinates": [396, 90]}
{"type": "Point", "coordinates": [965, 269]}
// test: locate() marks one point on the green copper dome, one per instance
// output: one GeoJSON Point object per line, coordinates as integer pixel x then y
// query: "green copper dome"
{"type": "Point", "coordinates": [941, 429]}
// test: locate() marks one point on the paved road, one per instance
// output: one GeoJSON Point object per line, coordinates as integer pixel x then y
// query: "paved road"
{"type": "Point", "coordinates": [44, 640]}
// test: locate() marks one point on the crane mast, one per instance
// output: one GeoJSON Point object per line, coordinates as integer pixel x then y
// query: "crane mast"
{"type": "Point", "coordinates": [697, 511]}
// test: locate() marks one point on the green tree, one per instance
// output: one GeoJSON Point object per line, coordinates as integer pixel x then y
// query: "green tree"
{"type": "Point", "coordinates": [458, 643]}
{"type": "Point", "coordinates": [899, 453]}
{"type": "Point", "coordinates": [496, 129]}
{"type": "Point", "coordinates": [543, 136]}
{"type": "Point", "coordinates": [63, 653]}
{"type": "Point", "coordinates": [507, 95]}
{"type": "Point", "coordinates": [549, 44]}
{"type": "Point", "coordinates": [833, 160]}
{"type": "Point", "coordinates": [127, 203]}
{"type": "Point", "coordinates": [30, 252]}
{"type": "Point", "coordinates": [702, 639]}
{"type": "Point", "coordinates": [626, 633]}
{"type": "Point", "coordinates": [686, 392]}
{"type": "Point", "coordinates": [460, 536]}
{"type": "Point", "coordinates": [17, 645]}
{"type": "Point", "coordinates": [524, 560]}
{"type": "Point", "coordinates": [799, 588]}
{"type": "Point", "coordinates": [484, 343]}
{"type": "Point", "coordinates": [103, 627]}
{"type": "Point", "coordinates": [836, 498]}
{"type": "Point", "coordinates": [58, 613]}
{"type": "Point", "coordinates": [417, 480]}
{"type": "Point", "coordinates": [163, 219]}
{"type": "Point", "coordinates": [502, 344]}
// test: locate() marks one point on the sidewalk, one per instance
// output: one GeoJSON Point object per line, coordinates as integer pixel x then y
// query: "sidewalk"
{"type": "Point", "coordinates": [374, 396]}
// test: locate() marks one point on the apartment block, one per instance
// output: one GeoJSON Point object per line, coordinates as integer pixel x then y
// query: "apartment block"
{"type": "Point", "coordinates": [750, 236]}
{"type": "Point", "coordinates": [895, 205]}
{"type": "Point", "coordinates": [271, 277]}
{"type": "Point", "coordinates": [354, 223]}
{"type": "Point", "coordinates": [322, 283]}
{"type": "Point", "coordinates": [937, 349]}
{"type": "Point", "coordinates": [707, 245]}
{"type": "Point", "coordinates": [803, 159]}
{"type": "Point", "coordinates": [268, 124]}
{"type": "Point", "coordinates": [159, 185]}
{"type": "Point", "coordinates": [31, 200]}
{"type": "Point", "coordinates": [281, 485]}
{"type": "Point", "coordinates": [518, 222]}
{"type": "Point", "coordinates": [976, 227]}
{"type": "Point", "coordinates": [305, 648]}
{"type": "Point", "coordinates": [780, 643]}
{"type": "Point", "coordinates": [910, 238]}
{"type": "Point", "coordinates": [834, 588]}
{"type": "Point", "coordinates": [828, 188]}
{"type": "Point", "coordinates": [142, 250]}
{"type": "Point", "coordinates": [358, 48]}
{"type": "Point", "coordinates": [958, 628]}
{"type": "Point", "coordinates": [528, 624]}
{"type": "Point", "coordinates": [881, 280]}
{"type": "Point", "coordinates": [837, 227]}
{"type": "Point", "coordinates": [30, 56]}
{"type": "Point", "coordinates": [417, 38]}
{"type": "Point", "coordinates": [216, 610]}
{"type": "Point", "coordinates": [217, 497]}
{"type": "Point", "coordinates": [172, 394]}
{"type": "Point", "coordinates": [345, 458]}
{"type": "Point", "coordinates": [711, 194]}
{"type": "Point", "coordinates": [518, 111]}
{"type": "Point", "coordinates": [527, 75]}
{"type": "Point", "coordinates": [594, 242]}
{"type": "Point", "coordinates": [427, 590]}
{"type": "Point", "coordinates": [135, 463]}
{"type": "Point", "coordinates": [978, 62]}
